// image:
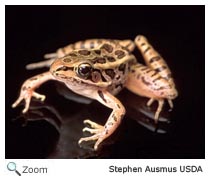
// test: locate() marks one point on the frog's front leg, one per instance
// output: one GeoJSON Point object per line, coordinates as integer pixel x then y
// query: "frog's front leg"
{"type": "Point", "coordinates": [28, 87]}
{"type": "Point", "coordinates": [100, 133]}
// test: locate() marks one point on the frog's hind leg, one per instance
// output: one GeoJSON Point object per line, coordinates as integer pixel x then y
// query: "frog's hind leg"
{"type": "Point", "coordinates": [41, 64]}
{"type": "Point", "coordinates": [50, 58]}
{"type": "Point", "coordinates": [153, 59]}
{"type": "Point", "coordinates": [145, 81]}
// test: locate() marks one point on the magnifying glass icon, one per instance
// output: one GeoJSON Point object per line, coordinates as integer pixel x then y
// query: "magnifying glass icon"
{"type": "Point", "coordinates": [11, 166]}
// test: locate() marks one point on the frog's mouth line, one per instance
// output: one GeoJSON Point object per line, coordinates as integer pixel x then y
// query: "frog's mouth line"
{"type": "Point", "coordinates": [69, 79]}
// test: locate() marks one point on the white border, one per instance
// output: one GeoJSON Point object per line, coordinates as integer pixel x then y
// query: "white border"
{"type": "Point", "coordinates": [99, 168]}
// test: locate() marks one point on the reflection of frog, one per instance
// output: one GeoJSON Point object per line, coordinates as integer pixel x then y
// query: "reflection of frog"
{"type": "Point", "coordinates": [99, 69]}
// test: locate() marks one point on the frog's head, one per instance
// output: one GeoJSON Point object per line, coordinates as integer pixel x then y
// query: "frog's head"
{"type": "Point", "coordinates": [76, 69]}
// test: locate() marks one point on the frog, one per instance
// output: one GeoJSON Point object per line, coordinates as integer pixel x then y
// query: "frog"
{"type": "Point", "coordinates": [99, 69]}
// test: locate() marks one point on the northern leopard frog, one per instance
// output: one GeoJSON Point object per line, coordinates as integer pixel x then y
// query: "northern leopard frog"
{"type": "Point", "coordinates": [99, 69]}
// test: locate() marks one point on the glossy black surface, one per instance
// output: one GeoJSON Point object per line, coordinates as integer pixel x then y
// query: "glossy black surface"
{"type": "Point", "coordinates": [177, 32]}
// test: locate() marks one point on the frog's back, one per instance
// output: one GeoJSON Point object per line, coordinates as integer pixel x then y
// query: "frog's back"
{"type": "Point", "coordinates": [114, 63]}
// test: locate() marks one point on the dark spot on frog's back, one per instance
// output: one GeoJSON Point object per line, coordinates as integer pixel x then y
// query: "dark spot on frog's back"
{"type": "Point", "coordinates": [98, 52]}
{"type": "Point", "coordinates": [122, 67]}
{"type": "Point", "coordinates": [84, 52]}
{"type": "Point", "coordinates": [99, 60]}
{"type": "Point", "coordinates": [120, 54]}
{"type": "Point", "coordinates": [110, 73]}
{"type": "Point", "coordinates": [66, 60]}
{"type": "Point", "coordinates": [73, 54]}
{"type": "Point", "coordinates": [111, 59]}
{"type": "Point", "coordinates": [107, 47]}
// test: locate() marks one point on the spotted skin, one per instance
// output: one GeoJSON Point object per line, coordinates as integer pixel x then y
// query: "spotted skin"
{"type": "Point", "coordinates": [153, 59]}
{"type": "Point", "coordinates": [99, 69]}
{"type": "Point", "coordinates": [127, 45]}
{"type": "Point", "coordinates": [98, 73]}
{"type": "Point", "coordinates": [154, 80]}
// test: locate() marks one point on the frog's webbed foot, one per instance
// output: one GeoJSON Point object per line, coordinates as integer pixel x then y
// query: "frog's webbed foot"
{"type": "Point", "coordinates": [98, 131]}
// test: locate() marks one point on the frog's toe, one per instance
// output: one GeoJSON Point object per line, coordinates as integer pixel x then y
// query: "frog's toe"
{"type": "Point", "coordinates": [170, 102]}
{"type": "Point", "coordinates": [85, 139]}
{"type": "Point", "coordinates": [97, 136]}
{"type": "Point", "coordinates": [92, 131]}
{"type": "Point", "coordinates": [27, 103]}
{"type": "Point", "coordinates": [39, 96]}
{"type": "Point", "coordinates": [17, 102]}
{"type": "Point", "coordinates": [92, 124]}
{"type": "Point", "coordinates": [51, 55]}
{"type": "Point", "coordinates": [149, 103]}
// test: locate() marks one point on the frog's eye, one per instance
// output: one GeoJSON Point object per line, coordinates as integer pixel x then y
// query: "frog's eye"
{"type": "Point", "coordinates": [84, 69]}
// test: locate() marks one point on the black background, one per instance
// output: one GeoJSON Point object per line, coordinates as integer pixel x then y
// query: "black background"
{"type": "Point", "coordinates": [177, 32]}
